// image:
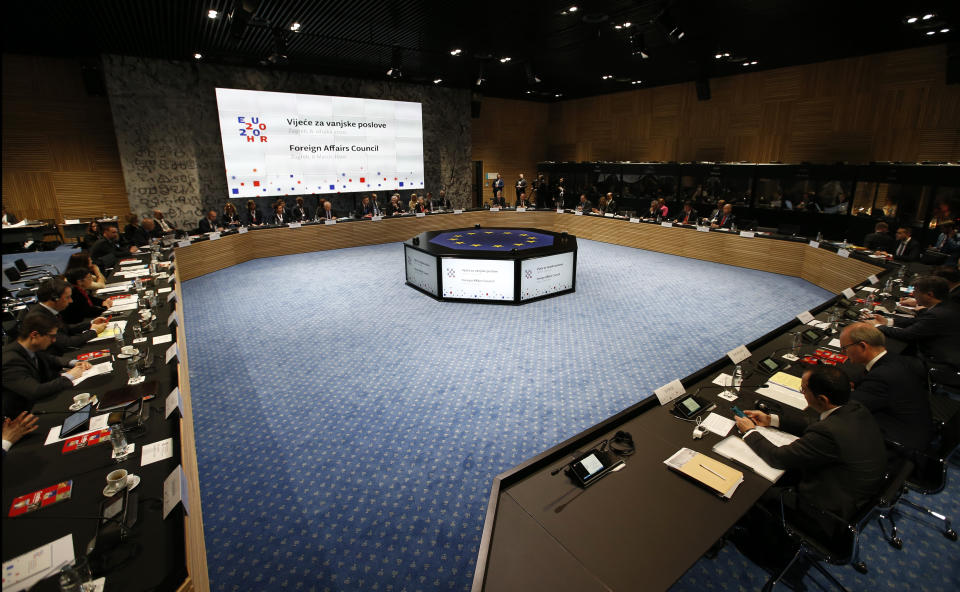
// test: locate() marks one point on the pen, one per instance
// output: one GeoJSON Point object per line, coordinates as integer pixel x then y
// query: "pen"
{"type": "Point", "coordinates": [712, 471]}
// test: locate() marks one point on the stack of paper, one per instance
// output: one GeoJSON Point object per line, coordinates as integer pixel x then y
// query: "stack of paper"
{"type": "Point", "coordinates": [734, 448]}
{"type": "Point", "coordinates": [21, 573]}
{"type": "Point", "coordinates": [111, 331]}
{"type": "Point", "coordinates": [784, 388]}
{"type": "Point", "coordinates": [95, 370]}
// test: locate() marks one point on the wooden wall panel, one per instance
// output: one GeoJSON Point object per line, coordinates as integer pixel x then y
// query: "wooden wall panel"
{"type": "Point", "coordinates": [60, 157]}
{"type": "Point", "coordinates": [890, 106]}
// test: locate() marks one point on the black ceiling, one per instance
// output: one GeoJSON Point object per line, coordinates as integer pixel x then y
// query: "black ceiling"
{"type": "Point", "coordinates": [570, 53]}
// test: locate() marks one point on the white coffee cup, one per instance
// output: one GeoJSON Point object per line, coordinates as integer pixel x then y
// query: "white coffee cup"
{"type": "Point", "coordinates": [81, 399]}
{"type": "Point", "coordinates": [116, 480]}
{"type": "Point", "coordinates": [129, 350]}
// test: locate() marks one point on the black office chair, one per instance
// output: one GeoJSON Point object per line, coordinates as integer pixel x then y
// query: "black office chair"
{"type": "Point", "coordinates": [843, 548]}
{"type": "Point", "coordinates": [27, 270]}
{"type": "Point", "coordinates": [930, 475]}
{"type": "Point", "coordinates": [15, 278]}
{"type": "Point", "coordinates": [943, 380]}
{"type": "Point", "coordinates": [52, 230]}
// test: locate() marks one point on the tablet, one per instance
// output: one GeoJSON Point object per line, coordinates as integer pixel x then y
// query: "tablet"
{"type": "Point", "coordinates": [76, 422]}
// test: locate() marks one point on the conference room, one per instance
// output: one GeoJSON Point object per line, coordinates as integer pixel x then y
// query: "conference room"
{"type": "Point", "coordinates": [399, 299]}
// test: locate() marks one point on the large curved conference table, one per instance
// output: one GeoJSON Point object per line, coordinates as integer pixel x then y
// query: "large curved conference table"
{"type": "Point", "coordinates": [827, 267]}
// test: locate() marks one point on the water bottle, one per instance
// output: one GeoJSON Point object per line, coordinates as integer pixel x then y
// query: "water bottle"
{"type": "Point", "coordinates": [845, 243]}
{"type": "Point", "coordinates": [119, 335]}
{"type": "Point", "coordinates": [797, 343]}
{"type": "Point", "coordinates": [737, 379]}
{"type": "Point", "coordinates": [832, 321]}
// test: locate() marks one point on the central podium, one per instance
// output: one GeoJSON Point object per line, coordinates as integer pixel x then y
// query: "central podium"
{"type": "Point", "coordinates": [496, 265]}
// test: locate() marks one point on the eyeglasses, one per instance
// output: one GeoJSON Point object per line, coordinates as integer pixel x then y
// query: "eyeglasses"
{"type": "Point", "coordinates": [843, 348]}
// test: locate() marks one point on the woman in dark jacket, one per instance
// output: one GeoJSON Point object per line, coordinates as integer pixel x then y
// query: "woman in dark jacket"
{"type": "Point", "coordinates": [84, 304]}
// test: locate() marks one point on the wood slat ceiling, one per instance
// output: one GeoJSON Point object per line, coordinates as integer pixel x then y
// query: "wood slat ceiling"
{"type": "Point", "coordinates": [569, 52]}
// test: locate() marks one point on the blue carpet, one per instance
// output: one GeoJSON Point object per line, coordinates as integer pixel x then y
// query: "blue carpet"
{"type": "Point", "coordinates": [349, 427]}
{"type": "Point", "coordinates": [57, 257]}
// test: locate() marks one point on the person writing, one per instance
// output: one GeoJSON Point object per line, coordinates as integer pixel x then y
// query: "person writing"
{"type": "Point", "coordinates": [30, 374]}
{"type": "Point", "coordinates": [935, 331]}
{"type": "Point", "coordinates": [53, 296]}
{"type": "Point", "coordinates": [327, 212]}
{"type": "Point", "coordinates": [584, 204]}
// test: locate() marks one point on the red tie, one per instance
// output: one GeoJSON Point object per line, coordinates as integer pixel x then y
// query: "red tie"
{"type": "Point", "coordinates": [723, 220]}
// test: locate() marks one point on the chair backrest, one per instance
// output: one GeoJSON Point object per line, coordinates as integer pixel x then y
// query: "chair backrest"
{"type": "Point", "coordinates": [21, 264]}
{"type": "Point", "coordinates": [12, 274]}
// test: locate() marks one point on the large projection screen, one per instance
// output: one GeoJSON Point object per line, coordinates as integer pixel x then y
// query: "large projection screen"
{"type": "Point", "coordinates": [290, 144]}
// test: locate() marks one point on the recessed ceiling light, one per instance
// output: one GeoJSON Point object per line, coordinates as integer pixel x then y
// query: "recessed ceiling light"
{"type": "Point", "coordinates": [636, 82]}
{"type": "Point", "coordinates": [529, 92]}
{"type": "Point", "coordinates": [718, 56]}
{"type": "Point", "coordinates": [295, 27]}
{"type": "Point", "coordinates": [505, 59]}
{"type": "Point", "coordinates": [754, 63]}
{"type": "Point", "coordinates": [455, 52]}
{"type": "Point", "coordinates": [558, 95]}
{"type": "Point", "coordinates": [911, 20]}
{"type": "Point", "coordinates": [627, 24]}
{"type": "Point", "coordinates": [726, 55]}
{"type": "Point", "coordinates": [745, 64]}
{"type": "Point", "coordinates": [197, 56]}
{"type": "Point", "coordinates": [618, 27]}
{"type": "Point", "coordinates": [607, 76]}
{"type": "Point", "coordinates": [212, 14]}
{"type": "Point", "coordinates": [437, 80]}
{"type": "Point", "coordinates": [944, 30]}
{"type": "Point", "coordinates": [928, 16]}
{"type": "Point", "coordinates": [572, 9]}
{"type": "Point", "coordinates": [930, 32]}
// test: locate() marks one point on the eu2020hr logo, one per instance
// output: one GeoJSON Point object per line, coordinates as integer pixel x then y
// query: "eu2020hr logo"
{"type": "Point", "coordinates": [252, 129]}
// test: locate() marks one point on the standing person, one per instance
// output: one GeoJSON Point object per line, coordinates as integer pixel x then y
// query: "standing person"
{"type": "Point", "coordinates": [254, 217]}
{"type": "Point", "coordinates": [497, 185]}
{"type": "Point", "coordinates": [560, 194]}
{"type": "Point", "coordinates": [539, 189]}
{"type": "Point", "coordinates": [521, 185]}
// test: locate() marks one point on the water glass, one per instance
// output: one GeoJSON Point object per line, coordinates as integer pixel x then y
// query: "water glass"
{"type": "Point", "coordinates": [119, 440]}
{"type": "Point", "coordinates": [137, 331]}
{"type": "Point", "coordinates": [119, 336]}
{"type": "Point", "coordinates": [146, 358]}
{"type": "Point", "coordinates": [133, 373]}
{"type": "Point", "coordinates": [797, 343]}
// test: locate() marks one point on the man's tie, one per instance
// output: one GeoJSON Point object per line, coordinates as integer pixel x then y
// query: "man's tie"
{"type": "Point", "coordinates": [722, 221]}
{"type": "Point", "coordinates": [900, 248]}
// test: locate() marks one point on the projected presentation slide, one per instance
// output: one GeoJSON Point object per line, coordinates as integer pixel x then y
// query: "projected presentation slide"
{"type": "Point", "coordinates": [422, 270]}
{"type": "Point", "coordinates": [283, 143]}
{"type": "Point", "coordinates": [546, 275]}
{"type": "Point", "coordinates": [477, 279]}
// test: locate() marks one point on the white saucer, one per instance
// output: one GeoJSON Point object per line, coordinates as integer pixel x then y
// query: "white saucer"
{"type": "Point", "coordinates": [132, 482]}
{"type": "Point", "coordinates": [124, 356]}
{"type": "Point", "coordinates": [75, 407]}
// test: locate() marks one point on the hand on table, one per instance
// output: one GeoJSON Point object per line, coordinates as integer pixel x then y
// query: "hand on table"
{"type": "Point", "coordinates": [744, 424]}
{"type": "Point", "coordinates": [758, 417]}
{"type": "Point", "coordinates": [14, 429]}
{"type": "Point", "coordinates": [98, 325]}
{"type": "Point", "coordinates": [78, 370]}
{"type": "Point", "coordinates": [908, 301]}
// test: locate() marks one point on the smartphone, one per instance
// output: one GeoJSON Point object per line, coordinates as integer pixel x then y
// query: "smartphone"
{"type": "Point", "coordinates": [737, 411]}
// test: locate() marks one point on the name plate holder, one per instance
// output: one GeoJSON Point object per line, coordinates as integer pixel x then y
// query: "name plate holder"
{"type": "Point", "coordinates": [609, 215]}
{"type": "Point", "coordinates": [703, 229]}
{"type": "Point", "coordinates": [747, 234]}
{"type": "Point", "coordinates": [421, 215]}
{"type": "Point", "coordinates": [578, 213]}
{"type": "Point", "coordinates": [521, 209]}
{"type": "Point", "coordinates": [329, 222]}
{"type": "Point", "coordinates": [559, 210]}
{"type": "Point", "coordinates": [294, 225]}
{"type": "Point", "coordinates": [634, 220]}
{"type": "Point", "coordinates": [214, 236]}
{"type": "Point", "coordinates": [376, 218]}
{"type": "Point", "coordinates": [667, 224]}
{"type": "Point", "coordinates": [242, 230]}
{"type": "Point", "coordinates": [494, 209]}
{"type": "Point", "coordinates": [174, 401]}
{"type": "Point", "coordinates": [173, 352]}
{"type": "Point", "coordinates": [458, 211]}
{"type": "Point", "coordinates": [175, 492]}
{"type": "Point", "coordinates": [805, 317]}
{"type": "Point", "coordinates": [814, 244]}
{"type": "Point", "coordinates": [738, 354]}
{"type": "Point", "coordinates": [183, 243]}
{"type": "Point", "coordinates": [843, 253]}
{"type": "Point", "coordinates": [670, 391]}
{"type": "Point", "coordinates": [874, 280]}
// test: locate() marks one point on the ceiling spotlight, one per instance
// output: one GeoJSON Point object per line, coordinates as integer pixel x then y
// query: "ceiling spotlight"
{"type": "Point", "coordinates": [911, 20]}
{"type": "Point", "coordinates": [718, 56]}
{"type": "Point", "coordinates": [928, 16]}
{"type": "Point", "coordinates": [753, 63]}
{"type": "Point", "coordinates": [480, 80]}
{"type": "Point", "coordinates": [636, 82]}
{"type": "Point", "coordinates": [558, 95]}
{"type": "Point", "coordinates": [197, 56]}
{"type": "Point", "coordinates": [670, 27]}
{"type": "Point", "coordinates": [745, 64]}
{"type": "Point", "coordinates": [930, 32]}
{"type": "Point", "coordinates": [396, 56]}
{"type": "Point", "coordinates": [627, 25]}
{"type": "Point", "coordinates": [295, 27]}
{"type": "Point", "coordinates": [618, 27]}
{"type": "Point", "coordinates": [944, 30]}
{"type": "Point", "coordinates": [529, 92]}
{"type": "Point", "coordinates": [607, 76]}
{"type": "Point", "coordinates": [455, 52]}
{"type": "Point", "coordinates": [212, 14]}
{"type": "Point", "coordinates": [505, 59]}
{"type": "Point", "coordinates": [572, 9]}
{"type": "Point", "coordinates": [437, 80]}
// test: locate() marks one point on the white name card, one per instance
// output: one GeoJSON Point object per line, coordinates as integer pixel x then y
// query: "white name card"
{"type": "Point", "coordinates": [578, 213]}
{"type": "Point", "coordinates": [173, 352]}
{"type": "Point", "coordinates": [376, 218]}
{"type": "Point", "coordinates": [242, 230]}
{"type": "Point", "coordinates": [458, 211]}
{"type": "Point", "coordinates": [329, 222]}
{"type": "Point", "coordinates": [559, 210]}
{"type": "Point", "coordinates": [667, 224]}
{"type": "Point", "coordinates": [635, 220]}
{"type": "Point", "coordinates": [294, 225]}
{"type": "Point", "coordinates": [814, 244]}
{"type": "Point", "coordinates": [747, 234]}
{"type": "Point", "coordinates": [421, 214]}
{"type": "Point", "coordinates": [174, 402]}
{"type": "Point", "coordinates": [214, 236]}
{"type": "Point", "coordinates": [739, 354]}
{"type": "Point", "coordinates": [183, 243]}
{"type": "Point", "coordinates": [703, 229]}
{"type": "Point", "coordinates": [805, 317]}
{"type": "Point", "coordinates": [873, 279]}
{"type": "Point", "coordinates": [175, 491]}
{"type": "Point", "coordinates": [71, 221]}
{"type": "Point", "coordinates": [608, 215]}
{"type": "Point", "coordinates": [843, 253]}
{"type": "Point", "coordinates": [669, 391]}
{"type": "Point", "coordinates": [848, 293]}
{"type": "Point", "coordinates": [174, 318]}
{"type": "Point", "coordinates": [521, 209]}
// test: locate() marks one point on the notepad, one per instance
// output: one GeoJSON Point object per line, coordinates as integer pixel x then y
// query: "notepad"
{"type": "Point", "coordinates": [786, 380]}
{"type": "Point", "coordinates": [716, 476]}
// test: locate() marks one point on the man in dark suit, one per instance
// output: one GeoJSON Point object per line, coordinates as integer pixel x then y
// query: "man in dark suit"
{"type": "Point", "coordinates": [161, 225]}
{"type": "Point", "coordinates": [521, 186]}
{"type": "Point", "coordinates": [880, 239]}
{"type": "Point", "coordinates": [894, 388]}
{"type": "Point", "coordinates": [395, 208]}
{"type": "Point", "coordinates": [327, 212]}
{"type": "Point", "coordinates": [952, 275]}
{"type": "Point", "coordinates": [907, 249]}
{"type": "Point", "coordinates": [688, 215]}
{"type": "Point", "coordinates": [726, 218]}
{"type": "Point", "coordinates": [497, 185]}
{"type": "Point", "coordinates": [935, 331]}
{"type": "Point", "coordinates": [53, 296]}
{"type": "Point", "coordinates": [366, 208]}
{"type": "Point", "coordinates": [498, 201]}
{"type": "Point", "coordinates": [300, 213]}
{"type": "Point", "coordinates": [107, 251]}
{"type": "Point", "coordinates": [442, 203]}
{"type": "Point", "coordinates": [522, 201]}
{"type": "Point", "coordinates": [584, 204]}
{"type": "Point", "coordinates": [209, 223]}
{"type": "Point", "coordinates": [134, 233]}
{"type": "Point", "coordinates": [29, 372]}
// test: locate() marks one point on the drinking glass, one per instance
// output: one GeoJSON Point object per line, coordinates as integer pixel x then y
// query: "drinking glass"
{"type": "Point", "coordinates": [132, 371]}
{"type": "Point", "coordinates": [119, 441]}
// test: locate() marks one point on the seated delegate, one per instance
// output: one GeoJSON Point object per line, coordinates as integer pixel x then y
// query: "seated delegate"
{"type": "Point", "coordinates": [83, 304]}
{"type": "Point", "coordinates": [935, 331]}
{"type": "Point", "coordinates": [53, 296]}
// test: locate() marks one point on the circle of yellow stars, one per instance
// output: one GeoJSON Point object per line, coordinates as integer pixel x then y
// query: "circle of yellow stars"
{"type": "Point", "coordinates": [528, 239]}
